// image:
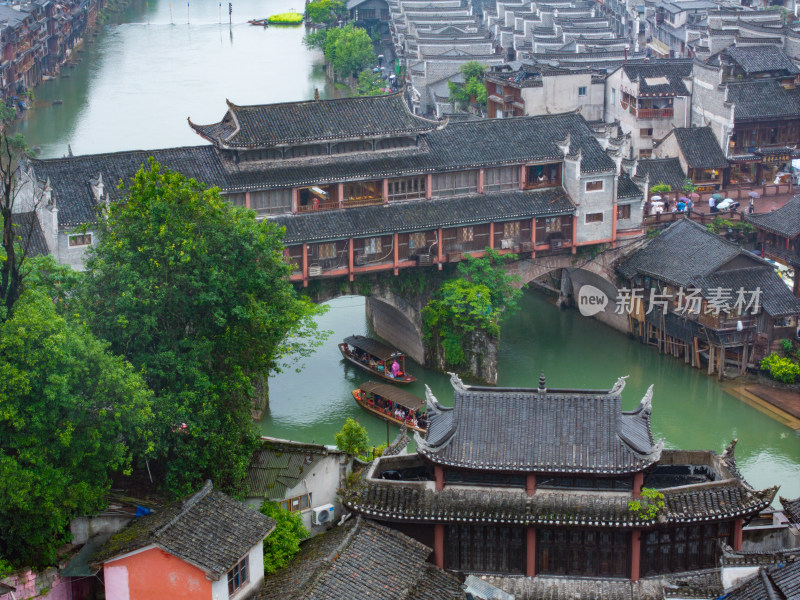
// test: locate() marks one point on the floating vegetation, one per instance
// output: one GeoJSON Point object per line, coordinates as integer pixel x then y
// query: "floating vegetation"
{"type": "Point", "coordinates": [287, 18]}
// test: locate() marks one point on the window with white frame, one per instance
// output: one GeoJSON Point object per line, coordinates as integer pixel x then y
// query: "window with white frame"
{"type": "Point", "coordinates": [81, 239]}
{"type": "Point", "coordinates": [613, 96]}
{"type": "Point", "coordinates": [594, 218]}
{"type": "Point", "coordinates": [594, 186]}
{"type": "Point", "coordinates": [238, 576]}
{"type": "Point", "coordinates": [582, 90]}
{"type": "Point", "coordinates": [373, 246]}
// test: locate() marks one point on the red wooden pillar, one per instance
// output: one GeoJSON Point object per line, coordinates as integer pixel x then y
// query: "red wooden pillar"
{"type": "Point", "coordinates": [636, 553]}
{"type": "Point", "coordinates": [530, 484]}
{"type": "Point", "coordinates": [247, 199]}
{"type": "Point", "coordinates": [438, 545]}
{"type": "Point", "coordinates": [737, 533]}
{"type": "Point", "coordinates": [440, 244]}
{"type": "Point", "coordinates": [386, 190]}
{"type": "Point", "coordinates": [530, 552]}
{"type": "Point", "coordinates": [429, 187]}
{"type": "Point", "coordinates": [350, 250]}
{"type": "Point", "coordinates": [305, 265]}
{"type": "Point", "coordinates": [638, 482]}
{"type": "Point", "coordinates": [438, 474]}
{"type": "Point", "coordinates": [396, 252]}
{"type": "Point", "coordinates": [480, 180]}
{"type": "Point", "coordinates": [533, 231]}
{"type": "Point", "coordinates": [295, 201]}
{"type": "Point", "coordinates": [491, 236]}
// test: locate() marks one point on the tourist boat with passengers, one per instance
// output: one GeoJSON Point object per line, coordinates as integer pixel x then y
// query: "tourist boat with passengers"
{"type": "Point", "coordinates": [377, 358]}
{"type": "Point", "coordinates": [392, 404]}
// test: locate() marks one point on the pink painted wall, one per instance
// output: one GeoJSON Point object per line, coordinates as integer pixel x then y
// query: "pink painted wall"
{"type": "Point", "coordinates": [30, 584]}
{"type": "Point", "coordinates": [155, 575]}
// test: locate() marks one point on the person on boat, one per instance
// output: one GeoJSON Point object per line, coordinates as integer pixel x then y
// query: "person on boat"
{"type": "Point", "coordinates": [395, 369]}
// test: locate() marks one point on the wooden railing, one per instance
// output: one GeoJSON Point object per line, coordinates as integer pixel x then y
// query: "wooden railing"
{"type": "Point", "coordinates": [653, 113]}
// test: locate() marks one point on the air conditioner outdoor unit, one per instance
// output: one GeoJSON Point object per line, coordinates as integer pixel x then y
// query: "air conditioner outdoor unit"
{"type": "Point", "coordinates": [314, 271]}
{"type": "Point", "coordinates": [322, 514]}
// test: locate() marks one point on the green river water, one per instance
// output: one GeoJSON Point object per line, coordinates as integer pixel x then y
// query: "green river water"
{"type": "Point", "coordinates": [148, 69]}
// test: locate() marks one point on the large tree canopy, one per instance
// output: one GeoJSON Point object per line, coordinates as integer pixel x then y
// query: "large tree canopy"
{"type": "Point", "coordinates": [195, 293]}
{"type": "Point", "coordinates": [349, 50]}
{"type": "Point", "coordinates": [71, 415]}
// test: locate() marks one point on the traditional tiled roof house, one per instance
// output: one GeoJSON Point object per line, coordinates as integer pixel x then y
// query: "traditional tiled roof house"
{"type": "Point", "coordinates": [362, 559]}
{"type": "Point", "coordinates": [205, 546]}
{"type": "Point", "coordinates": [699, 154]}
{"type": "Point", "coordinates": [538, 482]}
{"type": "Point", "coordinates": [690, 302]}
{"type": "Point", "coordinates": [300, 477]}
{"type": "Point", "coordinates": [779, 236]}
{"type": "Point", "coordinates": [362, 184]}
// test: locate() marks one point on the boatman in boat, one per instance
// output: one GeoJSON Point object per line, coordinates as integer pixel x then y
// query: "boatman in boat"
{"type": "Point", "coordinates": [395, 369]}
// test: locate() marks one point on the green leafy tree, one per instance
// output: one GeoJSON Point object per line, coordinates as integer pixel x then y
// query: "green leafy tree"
{"type": "Point", "coordinates": [370, 84]}
{"type": "Point", "coordinates": [505, 289]}
{"type": "Point", "coordinates": [284, 541]}
{"type": "Point", "coordinates": [349, 50]}
{"type": "Point", "coordinates": [352, 438]}
{"type": "Point", "coordinates": [650, 504]}
{"type": "Point", "coordinates": [325, 12]}
{"type": "Point", "coordinates": [660, 188]}
{"type": "Point", "coordinates": [316, 39]}
{"type": "Point", "coordinates": [72, 415]}
{"type": "Point", "coordinates": [473, 90]}
{"type": "Point", "coordinates": [195, 293]}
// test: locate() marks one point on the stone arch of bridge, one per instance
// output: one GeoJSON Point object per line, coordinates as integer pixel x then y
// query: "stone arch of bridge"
{"type": "Point", "coordinates": [394, 317]}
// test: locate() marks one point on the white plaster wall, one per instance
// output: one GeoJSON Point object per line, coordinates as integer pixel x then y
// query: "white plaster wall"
{"type": "Point", "coordinates": [595, 202]}
{"type": "Point", "coordinates": [255, 564]}
{"type": "Point", "coordinates": [75, 257]}
{"type": "Point", "coordinates": [83, 528]}
{"type": "Point", "coordinates": [732, 575]}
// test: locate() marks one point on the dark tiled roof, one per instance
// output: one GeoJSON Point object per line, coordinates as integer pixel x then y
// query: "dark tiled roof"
{"type": "Point", "coordinates": [662, 170]}
{"type": "Point", "coordinates": [280, 465]}
{"type": "Point", "coordinates": [792, 509]}
{"type": "Point", "coordinates": [784, 221]}
{"type": "Point", "coordinates": [69, 177]}
{"type": "Point", "coordinates": [463, 145]}
{"type": "Point", "coordinates": [208, 529]}
{"type": "Point", "coordinates": [674, 72]}
{"type": "Point", "coordinates": [777, 581]}
{"type": "Point", "coordinates": [361, 559]}
{"type": "Point", "coordinates": [421, 215]}
{"type": "Point", "coordinates": [626, 188]}
{"type": "Point", "coordinates": [679, 254]}
{"type": "Point", "coordinates": [296, 122]}
{"type": "Point", "coordinates": [700, 148]}
{"type": "Point", "coordinates": [557, 431]}
{"type": "Point", "coordinates": [763, 100]}
{"type": "Point", "coordinates": [719, 500]}
{"type": "Point", "coordinates": [776, 298]}
{"type": "Point", "coordinates": [30, 233]}
{"type": "Point", "coordinates": [759, 59]}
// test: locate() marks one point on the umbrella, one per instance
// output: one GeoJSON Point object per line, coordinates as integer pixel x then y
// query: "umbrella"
{"type": "Point", "coordinates": [684, 199]}
{"type": "Point", "coordinates": [694, 196]}
{"type": "Point", "coordinates": [655, 198]}
{"type": "Point", "coordinates": [716, 196]}
{"type": "Point", "coordinates": [755, 195]}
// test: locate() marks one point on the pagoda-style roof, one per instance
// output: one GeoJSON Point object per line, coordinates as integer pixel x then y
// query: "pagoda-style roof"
{"type": "Point", "coordinates": [540, 431]}
{"type": "Point", "coordinates": [268, 125]}
{"type": "Point", "coordinates": [784, 221]}
{"type": "Point", "coordinates": [714, 501]}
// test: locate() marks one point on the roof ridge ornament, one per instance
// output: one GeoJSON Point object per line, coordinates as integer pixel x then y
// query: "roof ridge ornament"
{"type": "Point", "coordinates": [432, 403]}
{"type": "Point", "coordinates": [729, 451]}
{"type": "Point", "coordinates": [646, 405]}
{"type": "Point", "coordinates": [456, 382]}
{"type": "Point", "coordinates": [619, 385]}
{"type": "Point", "coordinates": [542, 383]}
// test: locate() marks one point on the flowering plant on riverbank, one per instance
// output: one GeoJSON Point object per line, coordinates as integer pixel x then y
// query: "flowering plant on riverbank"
{"type": "Point", "coordinates": [287, 18]}
{"type": "Point", "coordinates": [780, 368]}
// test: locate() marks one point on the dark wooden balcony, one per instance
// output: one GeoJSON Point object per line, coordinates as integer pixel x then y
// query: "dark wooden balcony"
{"type": "Point", "coordinates": [653, 113]}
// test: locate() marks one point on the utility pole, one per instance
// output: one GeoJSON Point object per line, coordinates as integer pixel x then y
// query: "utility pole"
{"type": "Point", "coordinates": [230, 13]}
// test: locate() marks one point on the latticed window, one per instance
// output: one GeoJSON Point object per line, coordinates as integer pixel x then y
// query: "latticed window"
{"type": "Point", "coordinates": [326, 251]}
{"type": "Point", "coordinates": [583, 552]}
{"type": "Point", "coordinates": [238, 576]}
{"type": "Point", "coordinates": [683, 548]}
{"type": "Point", "coordinates": [272, 201]}
{"type": "Point", "coordinates": [416, 241]}
{"type": "Point", "coordinates": [83, 239]}
{"type": "Point", "coordinates": [511, 229]}
{"type": "Point", "coordinates": [459, 182]}
{"type": "Point", "coordinates": [466, 234]}
{"type": "Point", "coordinates": [407, 188]}
{"type": "Point", "coordinates": [485, 549]}
{"type": "Point", "coordinates": [500, 179]}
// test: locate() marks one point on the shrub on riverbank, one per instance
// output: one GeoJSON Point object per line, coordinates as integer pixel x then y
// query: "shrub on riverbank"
{"type": "Point", "coordinates": [780, 368]}
{"type": "Point", "coordinates": [287, 18]}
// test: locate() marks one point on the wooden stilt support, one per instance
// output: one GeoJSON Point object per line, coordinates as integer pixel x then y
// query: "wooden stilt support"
{"type": "Point", "coordinates": [711, 359]}
{"type": "Point", "coordinates": [721, 367]}
{"type": "Point", "coordinates": [697, 353]}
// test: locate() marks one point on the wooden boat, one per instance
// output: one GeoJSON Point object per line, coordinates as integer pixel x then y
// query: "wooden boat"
{"type": "Point", "coordinates": [381, 399]}
{"type": "Point", "coordinates": [261, 22]}
{"type": "Point", "coordinates": [374, 357]}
